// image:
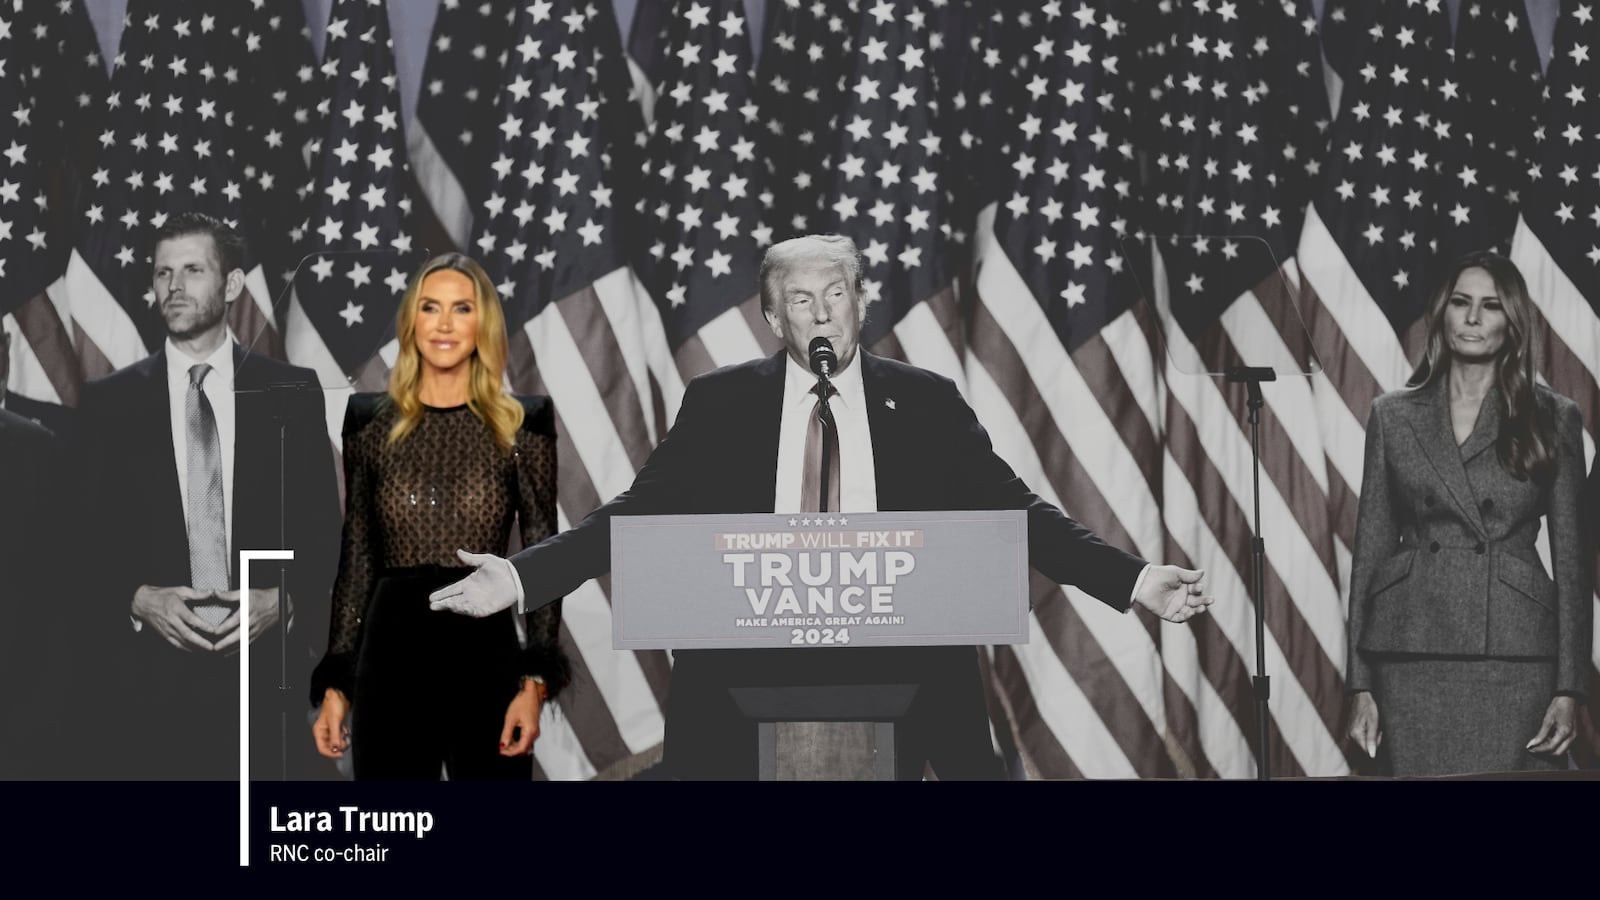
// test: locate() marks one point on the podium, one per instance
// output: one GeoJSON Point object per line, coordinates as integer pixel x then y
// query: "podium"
{"type": "Point", "coordinates": [828, 597]}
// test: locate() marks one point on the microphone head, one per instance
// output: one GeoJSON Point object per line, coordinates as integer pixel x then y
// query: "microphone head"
{"type": "Point", "coordinates": [823, 359]}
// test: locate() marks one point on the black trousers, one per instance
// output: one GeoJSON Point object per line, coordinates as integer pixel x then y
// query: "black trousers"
{"type": "Point", "coordinates": [432, 688]}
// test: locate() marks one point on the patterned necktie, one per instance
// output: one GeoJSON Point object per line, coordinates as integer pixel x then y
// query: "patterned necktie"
{"type": "Point", "coordinates": [208, 536]}
{"type": "Point", "coordinates": [811, 472]}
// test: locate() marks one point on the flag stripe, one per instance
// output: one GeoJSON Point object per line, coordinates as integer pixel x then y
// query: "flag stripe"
{"type": "Point", "coordinates": [1086, 633]}
{"type": "Point", "coordinates": [1041, 751]}
{"type": "Point", "coordinates": [49, 361]}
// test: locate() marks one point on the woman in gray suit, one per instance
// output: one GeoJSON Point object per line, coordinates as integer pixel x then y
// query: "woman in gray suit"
{"type": "Point", "coordinates": [1465, 656]}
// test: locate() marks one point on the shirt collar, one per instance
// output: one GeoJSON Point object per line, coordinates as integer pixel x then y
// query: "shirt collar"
{"type": "Point", "coordinates": [220, 360]}
{"type": "Point", "coordinates": [799, 381]}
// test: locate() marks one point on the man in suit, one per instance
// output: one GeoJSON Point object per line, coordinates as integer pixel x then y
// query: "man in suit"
{"type": "Point", "coordinates": [179, 457]}
{"type": "Point", "coordinates": [907, 441]}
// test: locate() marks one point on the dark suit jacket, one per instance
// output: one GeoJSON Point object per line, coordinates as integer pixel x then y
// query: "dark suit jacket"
{"type": "Point", "coordinates": [930, 453]}
{"type": "Point", "coordinates": [30, 673]}
{"type": "Point", "coordinates": [53, 416]}
{"type": "Point", "coordinates": [1445, 563]}
{"type": "Point", "coordinates": [129, 485]}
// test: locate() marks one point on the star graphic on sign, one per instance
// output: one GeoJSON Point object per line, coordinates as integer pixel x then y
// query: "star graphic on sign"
{"type": "Point", "coordinates": [396, 281]}
{"type": "Point", "coordinates": [1074, 294]}
{"type": "Point", "coordinates": [322, 268]}
{"type": "Point", "coordinates": [125, 256]}
{"type": "Point", "coordinates": [367, 234]}
{"type": "Point", "coordinates": [567, 182]}
{"type": "Point", "coordinates": [331, 230]}
{"type": "Point", "coordinates": [360, 275]}
{"type": "Point", "coordinates": [351, 314]}
{"type": "Point", "coordinates": [591, 233]}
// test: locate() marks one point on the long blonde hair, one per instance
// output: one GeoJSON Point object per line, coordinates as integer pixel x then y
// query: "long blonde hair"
{"type": "Point", "coordinates": [485, 398]}
{"type": "Point", "coordinates": [1526, 443]}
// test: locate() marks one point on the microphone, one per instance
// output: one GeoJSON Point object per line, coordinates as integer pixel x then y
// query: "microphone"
{"type": "Point", "coordinates": [823, 359]}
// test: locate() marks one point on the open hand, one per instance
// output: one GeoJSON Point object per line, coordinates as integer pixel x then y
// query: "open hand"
{"type": "Point", "coordinates": [489, 589]}
{"type": "Point", "coordinates": [1174, 594]}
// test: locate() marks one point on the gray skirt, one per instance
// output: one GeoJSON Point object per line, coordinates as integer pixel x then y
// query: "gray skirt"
{"type": "Point", "coordinates": [1449, 716]}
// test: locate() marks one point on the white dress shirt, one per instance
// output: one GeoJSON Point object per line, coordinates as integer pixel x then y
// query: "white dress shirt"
{"type": "Point", "coordinates": [218, 388]}
{"type": "Point", "coordinates": [858, 478]}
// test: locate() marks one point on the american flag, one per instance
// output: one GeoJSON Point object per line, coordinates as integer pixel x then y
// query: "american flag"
{"type": "Point", "coordinates": [552, 234]}
{"type": "Point", "coordinates": [1345, 24]}
{"type": "Point", "coordinates": [1241, 116]}
{"type": "Point", "coordinates": [355, 230]}
{"type": "Point", "coordinates": [165, 145]}
{"type": "Point", "coordinates": [32, 253]}
{"type": "Point", "coordinates": [281, 97]}
{"type": "Point", "coordinates": [1557, 242]}
{"type": "Point", "coordinates": [452, 137]}
{"type": "Point", "coordinates": [700, 236]}
{"type": "Point", "coordinates": [1502, 84]}
{"type": "Point", "coordinates": [1061, 371]}
{"type": "Point", "coordinates": [54, 67]}
{"type": "Point", "coordinates": [60, 58]}
{"type": "Point", "coordinates": [869, 160]}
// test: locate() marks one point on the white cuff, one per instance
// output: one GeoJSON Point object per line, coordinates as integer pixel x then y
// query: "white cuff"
{"type": "Point", "coordinates": [1137, 583]}
{"type": "Point", "coordinates": [522, 596]}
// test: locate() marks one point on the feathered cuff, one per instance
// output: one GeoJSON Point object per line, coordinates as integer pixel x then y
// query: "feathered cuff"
{"type": "Point", "coordinates": [337, 671]}
{"type": "Point", "coordinates": [549, 663]}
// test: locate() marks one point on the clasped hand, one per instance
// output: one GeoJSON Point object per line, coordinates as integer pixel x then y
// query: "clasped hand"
{"type": "Point", "coordinates": [168, 611]}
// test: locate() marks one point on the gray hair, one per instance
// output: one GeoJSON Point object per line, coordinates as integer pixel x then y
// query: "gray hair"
{"type": "Point", "coordinates": [836, 248]}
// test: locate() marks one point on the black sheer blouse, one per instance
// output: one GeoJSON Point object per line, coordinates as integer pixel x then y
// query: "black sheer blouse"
{"type": "Point", "coordinates": [444, 486]}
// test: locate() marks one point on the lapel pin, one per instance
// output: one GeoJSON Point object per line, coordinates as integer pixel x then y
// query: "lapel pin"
{"type": "Point", "coordinates": [889, 402]}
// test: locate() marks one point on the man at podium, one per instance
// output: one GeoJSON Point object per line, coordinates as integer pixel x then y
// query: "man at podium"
{"type": "Point", "coordinates": [751, 438]}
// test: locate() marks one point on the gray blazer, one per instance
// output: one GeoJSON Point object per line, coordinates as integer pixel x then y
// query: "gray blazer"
{"type": "Point", "coordinates": [1445, 563]}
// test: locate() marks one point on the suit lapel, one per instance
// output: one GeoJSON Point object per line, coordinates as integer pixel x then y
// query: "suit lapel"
{"type": "Point", "coordinates": [1486, 430]}
{"type": "Point", "coordinates": [152, 421]}
{"type": "Point", "coordinates": [1430, 423]}
{"type": "Point", "coordinates": [767, 396]}
{"type": "Point", "coordinates": [253, 435]}
{"type": "Point", "coordinates": [885, 423]}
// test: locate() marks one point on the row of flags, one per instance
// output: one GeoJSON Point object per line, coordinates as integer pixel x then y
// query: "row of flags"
{"type": "Point", "coordinates": [1073, 209]}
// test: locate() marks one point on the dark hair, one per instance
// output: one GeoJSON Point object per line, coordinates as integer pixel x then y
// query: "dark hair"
{"type": "Point", "coordinates": [1526, 443]}
{"type": "Point", "coordinates": [230, 246]}
{"type": "Point", "coordinates": [836, 247]}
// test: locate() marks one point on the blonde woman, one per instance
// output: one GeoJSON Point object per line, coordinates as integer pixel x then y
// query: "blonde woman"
{"type": "Point", "coordinates": [436, 470]}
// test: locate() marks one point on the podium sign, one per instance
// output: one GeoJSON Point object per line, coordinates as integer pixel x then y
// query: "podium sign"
{"type": "Point", "coordinates": [819, 580]}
